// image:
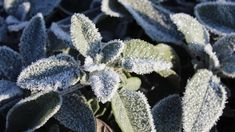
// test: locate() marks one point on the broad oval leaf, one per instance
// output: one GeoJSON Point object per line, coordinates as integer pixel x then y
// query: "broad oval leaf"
{"type": "Point", "coordinates": [10, 63]}
{"type": "Point", "coordinates": [112, 50]}
{"type": "Point", "coordinates": [104, 83]}
{"type": "Point", "coordinates": [113, 8]}
{"type": "Point", "coordinates": [155, 20]}
{"type": "Point", "coordinates": [53, 73]}
{"type": "Point", "coordinates": [141, 57]}
{"type": "Point", "coordinates": [132, 111]}
{"type": "Point", "coordinates": [85, 36]}
{"type": "Point", "coordinates": [218, 17]}
{"type": "Point", "coordinates": [33, 40]}
{"type": "Point", "coordinates": [167, 114]}
{"type": "Point", "coordinates": [203, 102]}
{"type": "Point", "coordinates": [36, 6]}
{"type": "Point", "coordinates": [76, 115]}
{"type": "Point", "coordinates": [8, 90]}
{"type": "Point", "coordinates": [224, 49]}
{"type": "Point", "coordinates": [33, 112]}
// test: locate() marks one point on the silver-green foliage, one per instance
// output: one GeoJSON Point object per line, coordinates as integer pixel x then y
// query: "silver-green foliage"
{"type": "Point", "coordinates": [141, 57]}
{"type": "Point", "coordinates": [132, 111]}
{"type": "Point", "coordinates": [32, 112]}
{"type": "Point", "coordinates": [33, 40]}
{"type": "Point", "coordinates": [224, 49]}
{"type": "Point", "coordinates": [167, 114]}
{"type": "Point", "coordinates": [203, 102]}
{"type": "Point", "coordinates": [9, 90]}
{"type": "Point", "coordinates": [53, 73]}
{"type": "Point", "coordinates": [85, 36]}
{"type": "Point", "coordinates": [104, 83]}
{"type": "Point", "coordinates": [155, 20]}
{"type": "Point", "coordinates": [76, 115]}
{"type": "Point", "coordinates": [217, 16]}
{"type": "Point", "coordinates": [10, 63]}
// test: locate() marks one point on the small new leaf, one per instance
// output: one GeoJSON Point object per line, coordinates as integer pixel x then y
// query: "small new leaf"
{"type": "Point", "coordinates": [85, 36]}
{"type": "Point", "coordinates": [33, 112]}
{"type": "Point", "coordinates": [10, 63]}
{"type": "Point", "coordinates": [167, 114]}
{"type": "Point", "coordinates": [203, 102]}
{"type": "Point", "coordinates": [132, 83]}
{"type": "Point", "coordinates": [53, 73]}
{"type": "Point", "coordinates": [76, 115]}
{"type": "Point", "coordinates": [224, 49]}
{"type": "Point", "coordinates": [33, 40]}
{"type": "Point", "coordinates": [8, 90]}
{"type": "Point", "coordinates": [112, 50]}
{"type": "Point", "coordinates": [132, 111]}
{"type": "Point", "coordinates": [155, 20]}
{"type": "Point", "coordinates": [218, 17]}
{"type": "Point", "coordinates": [104, 84]}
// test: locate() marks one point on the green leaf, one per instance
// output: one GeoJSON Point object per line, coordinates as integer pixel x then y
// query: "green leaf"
{"type": "Point", "coordinates": [132, 112]}
{"type": "Point", "coordinates": [218, 17]}
{"type": "Point", "coordinates": [112, 50]}
{"type": "Point", "coordinates": [167, 114]}
{"type": "Point", "coordinates": [195, 34]}
{"type": "Point", "coordinates": [33, 112]}
{"type": "Point", "coordinates": [155, 20]}
{"type": "Point", "coordinates": [203, 102]}
{"type": "Point", "coordinates": [141, 57]}
{"type": "Point", "coordinates": [132, 83]}
{"type": "Point", "coordinates": [224, 49]}
{"type": "Point", "coordinates": [85, 36]}
{"type": "Point", "coordinates": [76, 115]}
{"type": "Point", "coordinates": [9, 90]}
{"type": "Point", "coordinates": [33, 40]}
{"type": "Point", "coordinates": [104, 83]}
{"type": "Point", "coordinates": [113, 8]}
{"type": "Point", "coordinates": [53, 73]}
{"type": "Point", "coordinates": [10, 63]}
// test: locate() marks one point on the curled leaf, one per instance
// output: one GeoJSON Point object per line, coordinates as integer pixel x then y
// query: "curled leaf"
{"type": "Point", "coordinates": [53, 73]}
{"type": "Point", "coordinates": [33, 40]}
{"type": "Point", "coordinates": [203, 102]}
{"type": "Point", "coordinates": [104, 84]}
{"type": "Point", "coordinates": [132, 112]}
{"type": "Point", "coordinates": [33, 112]}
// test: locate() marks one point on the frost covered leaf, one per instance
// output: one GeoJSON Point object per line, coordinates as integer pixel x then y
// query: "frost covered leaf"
{"type": "Point", "coordinates": [219, 17]}
{"type": "Point", "coordinates": [112, 50]}
{"type": "Point", "coordinates": [76, 115]}
{"type": "Point", "coordinates": [195, 34]}
{"type": "Point", "coordinates": [33, 112]}
{"type": "Point", "coordinates": [36, 6]}
{"type": "Point", "coordinates": [33, 40]}
{"type": "Point", "coordinates": [53, 73]}
{"type": "Point", "coordinates": [132, 83]}
{"type": "Point", "coordinates": [154, 20]}
{"type": "Point", "coordinates": [203, 102]}
{"type": "Point", "coordinates": [224, 49]}
{"type": "Point", "coordinates": [211, 58]}
{"type": "Point", "coordinates": [132, 111]}
{"type": "Point", "coordinates": [85, 36]}
{"type": "Point", "coordinates": [8, 90]}
{"type": "Point", "coordinates": [141, 57]}
{"type": "Point", "coordinates": [10, 63]}
{"type": "Point", "coordinates": [167, 114]}
{"type": "Point", "coordinates": [113, 8]}
{"type": "Point", "coordinates": [90, 65]}
{"type": "Point", "coordinates": [104, 84]}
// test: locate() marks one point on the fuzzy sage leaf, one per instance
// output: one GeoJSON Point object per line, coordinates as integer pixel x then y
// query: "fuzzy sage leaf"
{"type": "Point", "coordinates": [203, 102]}
{"type": "Point", "coordinates": [85, 36]}
{"type": "Point", "coordinates": [218, 17]}
{"type": "Point", "coordinates": [33, 112]}
{"type": "Point", "coordinates": [155, 20]}
{"type": "Point", "coordinates": [167, 114]}
{"type": "Point", "coordinates": [33, 40]}
{"type": "Point", "coordinates": [132, 112]}
{"type": "Point", "coordinates": [104, 83]}
{"type": "Point", "coordinates": [53, 73]}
